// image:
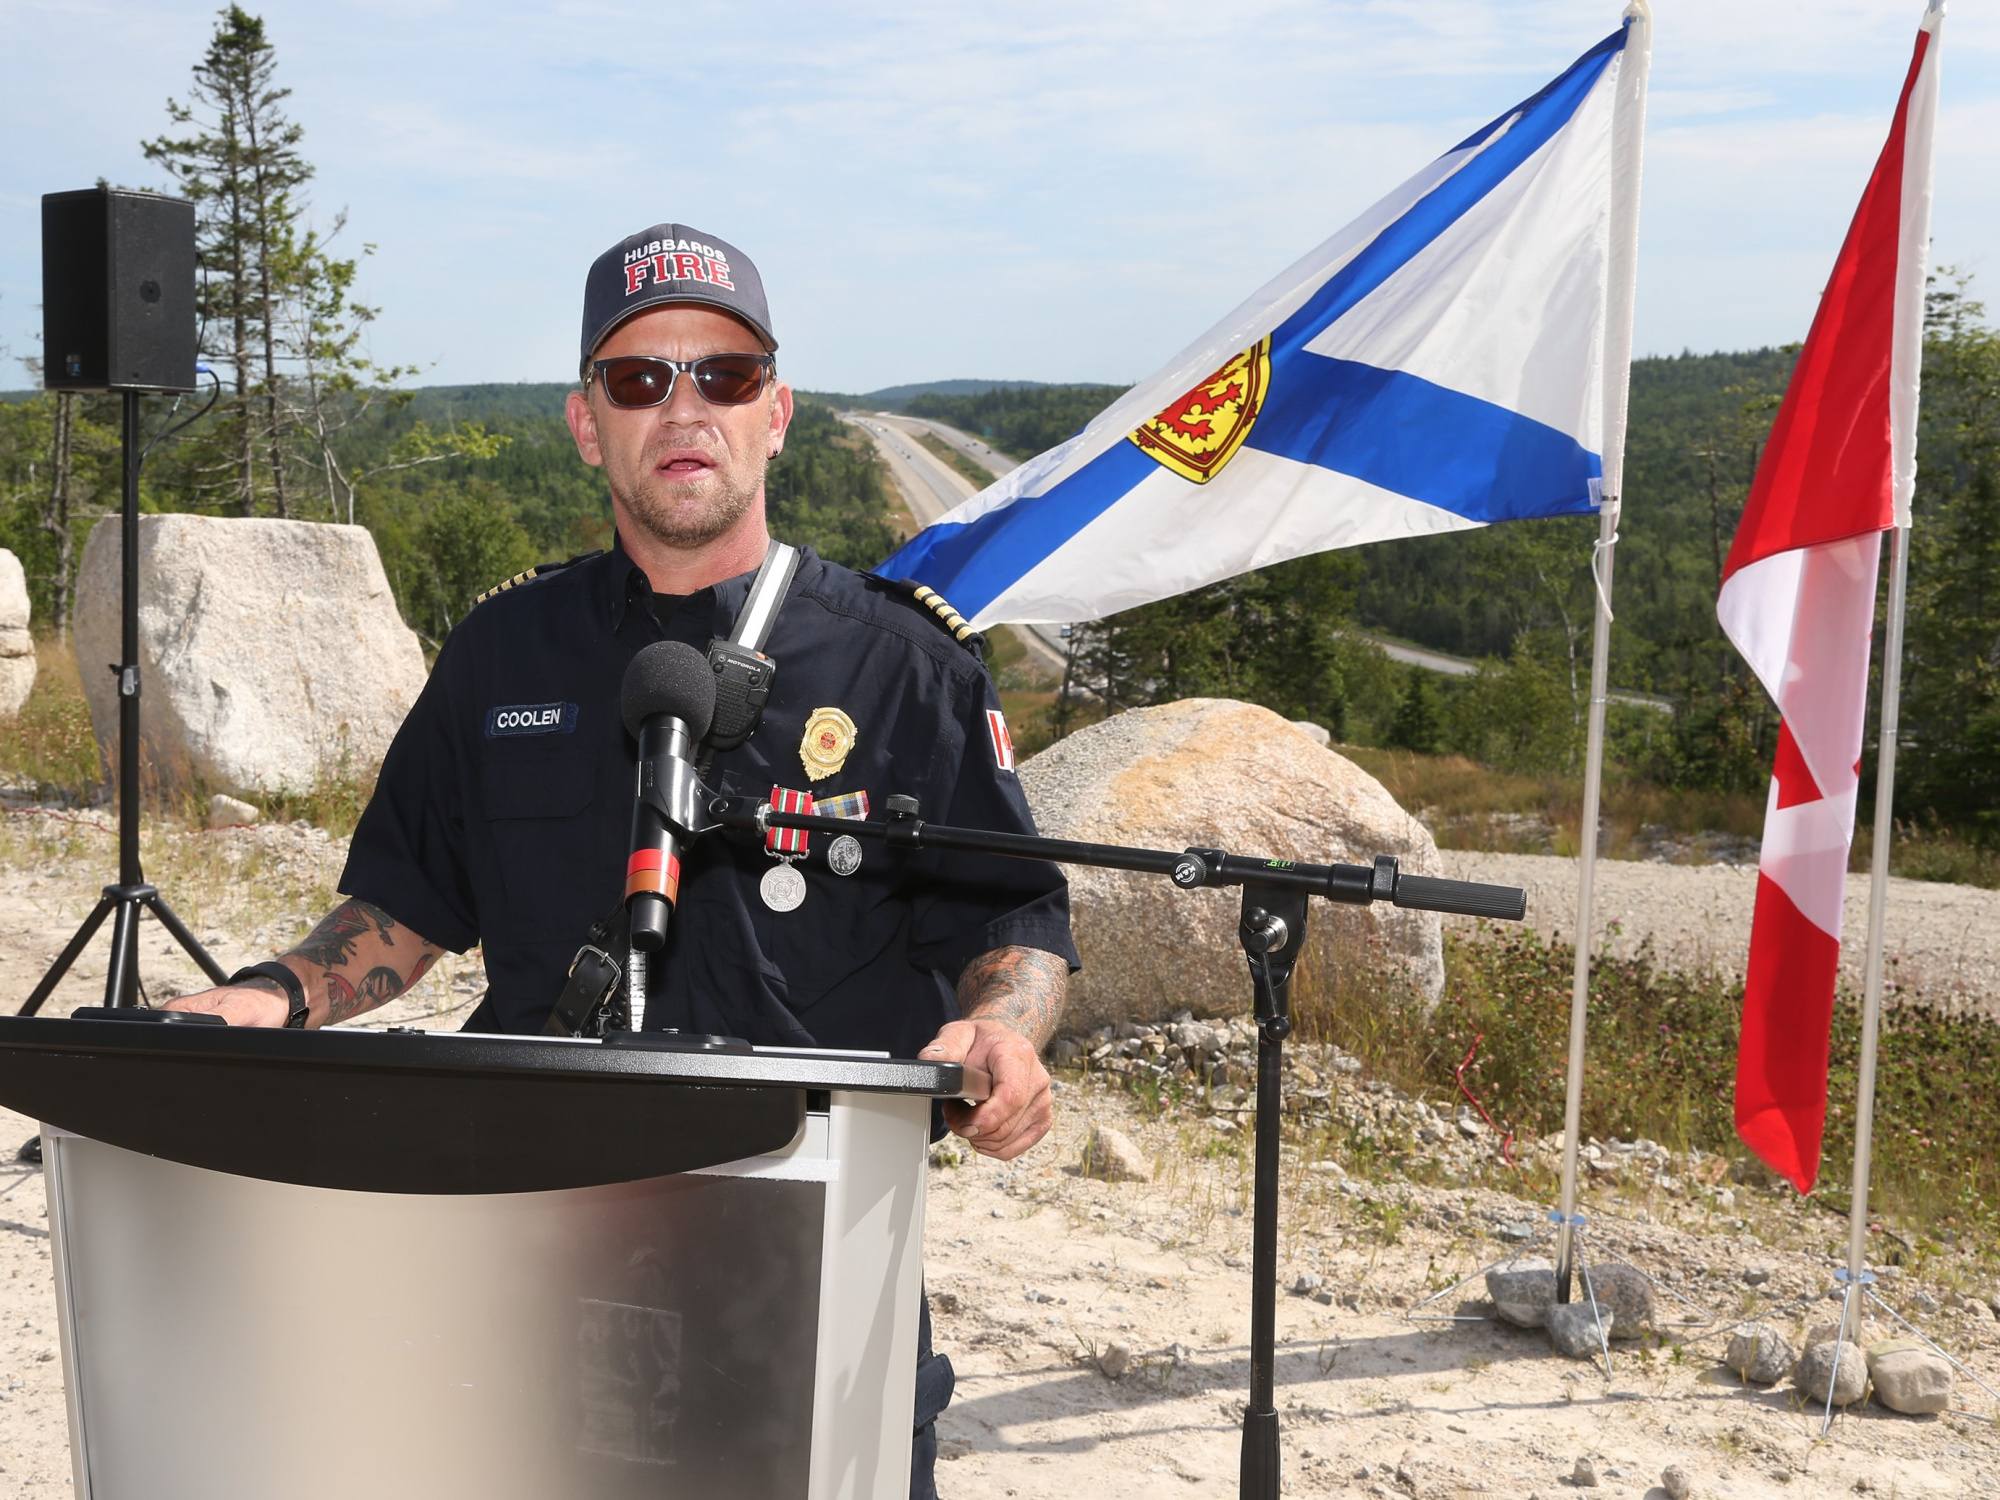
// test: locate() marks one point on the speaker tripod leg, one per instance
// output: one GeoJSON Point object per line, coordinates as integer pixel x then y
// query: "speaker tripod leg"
{"type": "Point", "coordinates": [121, 975]}
{"type": "Point", "coordinates": [68, 956]}
{"type": "Point", "coordinates": [156, 904]}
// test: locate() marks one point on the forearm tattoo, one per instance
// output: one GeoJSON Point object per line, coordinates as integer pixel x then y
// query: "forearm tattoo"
{"type": "Point", "coordinates": [1022, 988]}
{"type": "Point", "coordinates": [333, 945]}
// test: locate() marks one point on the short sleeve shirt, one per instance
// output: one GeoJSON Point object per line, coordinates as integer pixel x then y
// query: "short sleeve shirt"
{"type": "Point", "coordinates": [502, 816]}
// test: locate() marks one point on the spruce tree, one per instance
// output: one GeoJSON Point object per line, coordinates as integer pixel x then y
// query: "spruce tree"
{"type": "Point", "coordinates": [241, 165]}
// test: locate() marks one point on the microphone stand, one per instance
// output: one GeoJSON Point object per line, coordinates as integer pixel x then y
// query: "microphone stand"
{"type": "Point", "coordinates": [1272, 930]}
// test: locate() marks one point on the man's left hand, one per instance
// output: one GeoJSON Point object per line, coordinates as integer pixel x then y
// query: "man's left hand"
{"type": "Point", "coordinates": [1018, 1112]}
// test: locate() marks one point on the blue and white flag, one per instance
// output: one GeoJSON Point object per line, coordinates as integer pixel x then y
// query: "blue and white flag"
{"type": "Point", "coordinates": [1438, 364]}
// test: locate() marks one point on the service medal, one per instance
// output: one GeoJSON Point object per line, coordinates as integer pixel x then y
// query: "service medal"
{"type": "Point", "coordinates": [843, 856]}
{"type": "Point", "coordinates": [783, 888]}
{"type": "Point", "coordinates": [828, 738]}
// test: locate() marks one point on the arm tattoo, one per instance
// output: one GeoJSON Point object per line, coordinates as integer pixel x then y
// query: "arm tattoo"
{"type": "Point", "coordinates": [1022, 988]}
{"type": "Point", "coordinates": [331, 944]}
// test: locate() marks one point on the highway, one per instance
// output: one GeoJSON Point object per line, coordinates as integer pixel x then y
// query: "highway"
{"type": "Point", "coordinates": [930, 487]}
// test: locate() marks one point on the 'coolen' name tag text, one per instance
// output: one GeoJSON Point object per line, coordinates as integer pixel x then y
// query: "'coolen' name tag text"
{"type": "Point", "coordinates": [531, 718]}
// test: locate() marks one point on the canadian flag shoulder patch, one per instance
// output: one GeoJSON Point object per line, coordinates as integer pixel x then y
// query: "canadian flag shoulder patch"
{"type": "Point", "coordinates": [1003, 742]}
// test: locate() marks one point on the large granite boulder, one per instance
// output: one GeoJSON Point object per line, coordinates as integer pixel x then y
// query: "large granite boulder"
{"type": "Point", "coordinates": [1213, 773]}
{"type": "Point", "coordinates": [271, 654]}
{"type": "Point", "coordinates": [17, 647]}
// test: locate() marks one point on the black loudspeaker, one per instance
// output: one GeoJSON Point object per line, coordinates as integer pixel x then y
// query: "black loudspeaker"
{"type": "Point", "coordinates": [118, 292]}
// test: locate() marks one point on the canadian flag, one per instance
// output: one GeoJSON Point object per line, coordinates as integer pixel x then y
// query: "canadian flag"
{"type": "Point", "coordinates": [1798, 600]}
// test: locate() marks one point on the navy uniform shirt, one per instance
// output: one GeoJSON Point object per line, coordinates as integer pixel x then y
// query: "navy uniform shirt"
{"type": "Point", "coordinates": [503, 812]}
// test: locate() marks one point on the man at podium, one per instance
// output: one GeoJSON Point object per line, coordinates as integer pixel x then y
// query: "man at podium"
{"type": "Point", "coordinates": [502, 814]}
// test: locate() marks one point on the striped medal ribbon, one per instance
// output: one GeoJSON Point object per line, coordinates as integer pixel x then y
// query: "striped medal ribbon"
{"type": "Point", "coordinates": [783, 887]}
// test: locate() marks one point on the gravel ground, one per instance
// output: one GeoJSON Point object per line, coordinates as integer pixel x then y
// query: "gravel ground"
{"type": "Point", "coordinates": [1943, 940]}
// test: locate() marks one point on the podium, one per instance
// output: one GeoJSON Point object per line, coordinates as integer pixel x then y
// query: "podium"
{"type": "Point", "coordinates": [405, 1264]}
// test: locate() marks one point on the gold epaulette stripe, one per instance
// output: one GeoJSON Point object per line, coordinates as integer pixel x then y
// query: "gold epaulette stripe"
{"type": "Point", "coordinates": [501, 588]}
{"type": "Point", "coordinates": [953, 621]}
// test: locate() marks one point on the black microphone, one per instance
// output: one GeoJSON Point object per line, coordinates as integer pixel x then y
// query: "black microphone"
{"type": "Point", "coordinates": [668, 700]}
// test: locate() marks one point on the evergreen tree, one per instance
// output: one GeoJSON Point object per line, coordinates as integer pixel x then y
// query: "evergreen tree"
{"type": "Point", "coordinates": [241, 165]}
{"type": "Point", "coordinates": [1417, 725]}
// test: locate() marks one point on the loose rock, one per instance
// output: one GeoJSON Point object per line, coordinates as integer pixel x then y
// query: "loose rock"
{"type": "Point", "coordinates": [225, 811]}
{"type": "Point", "coordinates": [1828, 1329]}
{"type": "Point", "coordinates": [1523, 1292]}
{"type": "Point", "coordinates": [1758, 1352]}
{"type": "Point", "coordinates": [1114, 1361]}
{"type": "Point", "coordinates": [1832, 1363]}
{"type": "Point", "coordinates": [1910, 1377]}
{"type": "Point", "coordinates": [1574, 1328]}
{"type": "Point", "coordinates": [1111, 1155]}
{"type": "Point", "coordinates": [1674, 1480]}
{"type": "Point", "coordinates": [1625, 1292]}
{"type": "Point", "coordinates": [1584, 1475]}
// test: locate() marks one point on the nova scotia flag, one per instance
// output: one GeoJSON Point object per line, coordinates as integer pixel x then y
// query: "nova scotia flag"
{"type": "Point", "coordinates": [1438, 364]}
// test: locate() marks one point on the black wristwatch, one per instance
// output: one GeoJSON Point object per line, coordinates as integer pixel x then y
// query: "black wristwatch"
{"type": "Point", "coordinates": [295, 991]}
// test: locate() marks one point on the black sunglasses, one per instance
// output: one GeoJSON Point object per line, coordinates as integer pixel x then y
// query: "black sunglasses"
{"type": "Point", "coordinates": [637, 380]}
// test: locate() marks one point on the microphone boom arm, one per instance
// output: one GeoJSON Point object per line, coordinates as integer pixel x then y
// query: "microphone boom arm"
{"type": "Point", "coordinates": [1190, 869]}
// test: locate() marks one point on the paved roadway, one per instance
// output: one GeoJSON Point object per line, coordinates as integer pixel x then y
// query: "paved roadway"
{"type": "Point", "coordinates": [990, 459]}
{"type": "Point", "coordinates": [930, 487]}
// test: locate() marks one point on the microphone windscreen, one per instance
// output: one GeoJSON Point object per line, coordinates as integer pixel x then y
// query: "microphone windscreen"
{"type": "Point", "coordinates": [669, 677]}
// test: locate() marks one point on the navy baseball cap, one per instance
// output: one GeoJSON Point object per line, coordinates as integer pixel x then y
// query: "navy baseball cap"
{"type": "Point", "coordinates": [671, 263]}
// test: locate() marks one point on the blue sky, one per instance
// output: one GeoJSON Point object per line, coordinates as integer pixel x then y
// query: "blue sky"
{"type": "Point", "coordinates": [1033, 190]}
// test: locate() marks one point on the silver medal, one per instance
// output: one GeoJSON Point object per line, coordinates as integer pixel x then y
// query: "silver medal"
{"type": "Point", "coordinates": [843, 855]}
{"type": "Point", "coordinates": [783, 888]}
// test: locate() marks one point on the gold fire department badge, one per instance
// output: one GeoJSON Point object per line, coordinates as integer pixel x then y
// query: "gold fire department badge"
{"type": "Point", "coordinates": [829, 737]}
{"type": "Point", "coordinates": [1201, 432]}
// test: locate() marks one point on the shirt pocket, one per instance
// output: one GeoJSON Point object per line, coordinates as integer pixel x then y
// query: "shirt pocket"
{"type": "Point", "coordinates": [559, 857]}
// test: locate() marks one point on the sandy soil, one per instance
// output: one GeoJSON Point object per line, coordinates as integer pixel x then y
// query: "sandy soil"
{"type": "Point", "coordinates": [1943, 941]}
{"type": "Point", "coordinates": [1039, 1271]}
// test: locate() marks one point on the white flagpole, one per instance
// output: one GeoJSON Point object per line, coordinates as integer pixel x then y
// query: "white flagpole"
{"type": "Point", "coordinates": [1878, 914]}
{"type": "Point", "coordinates": [1906, 362]}
{"type": "Point", "coordinates": [1627, 154]}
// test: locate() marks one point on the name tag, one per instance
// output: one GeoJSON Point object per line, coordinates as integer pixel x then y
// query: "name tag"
{"type": "Point", "coordinates": [531, 718]}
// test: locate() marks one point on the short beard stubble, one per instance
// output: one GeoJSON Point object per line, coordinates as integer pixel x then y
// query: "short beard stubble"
{"type": "Point", "coordinates": [673, 515]}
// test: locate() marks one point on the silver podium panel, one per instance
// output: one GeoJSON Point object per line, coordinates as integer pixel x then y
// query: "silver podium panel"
{"type": "Point", "coordinates": [745, 1330]}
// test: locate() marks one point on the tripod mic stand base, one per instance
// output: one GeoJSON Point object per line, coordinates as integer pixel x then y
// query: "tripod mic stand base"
{"type": "Point", "coordinates": [121, 975]}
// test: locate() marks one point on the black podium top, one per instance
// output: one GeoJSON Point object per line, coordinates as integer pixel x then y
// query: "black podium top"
{"type": "Point", "coordinates": [428, 1112]}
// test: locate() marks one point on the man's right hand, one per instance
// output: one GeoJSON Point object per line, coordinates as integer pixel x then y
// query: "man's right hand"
{"type": "Point", "coordinates": [262, 1004]}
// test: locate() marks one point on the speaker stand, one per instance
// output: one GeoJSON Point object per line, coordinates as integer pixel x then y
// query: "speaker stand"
{"type": "Point", "coordinates": [124, 900]}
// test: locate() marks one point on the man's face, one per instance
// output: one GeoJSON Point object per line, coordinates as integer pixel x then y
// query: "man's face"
{"type": "Point", "coordinates": [686, 471]}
